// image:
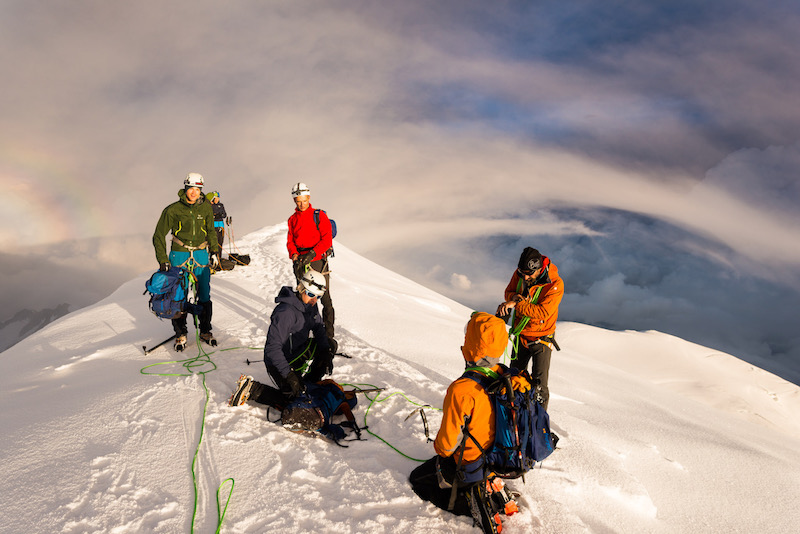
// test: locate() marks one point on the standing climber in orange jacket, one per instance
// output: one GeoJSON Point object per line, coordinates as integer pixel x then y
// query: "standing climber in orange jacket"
{"type": "Point", "coordinates": [534, 294]}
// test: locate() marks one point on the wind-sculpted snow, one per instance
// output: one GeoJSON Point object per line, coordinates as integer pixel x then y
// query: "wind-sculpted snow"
{"type": "Point", "coordinates": [657, 434]}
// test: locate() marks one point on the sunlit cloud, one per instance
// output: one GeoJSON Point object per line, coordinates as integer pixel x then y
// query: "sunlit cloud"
{"type": "Point", "coordinates": [442, 140]}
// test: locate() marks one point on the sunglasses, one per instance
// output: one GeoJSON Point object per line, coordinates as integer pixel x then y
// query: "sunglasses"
{"type": "Point", "coordinates": [310, 294]}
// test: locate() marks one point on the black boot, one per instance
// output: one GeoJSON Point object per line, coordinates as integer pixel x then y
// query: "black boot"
{"type": "Point", "coordinates": [205, 317]}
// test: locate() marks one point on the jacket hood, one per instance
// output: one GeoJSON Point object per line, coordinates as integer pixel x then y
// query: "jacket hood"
{"type": "Point", "coordinates": [287, 294]}
{"type": "Point", "coordinates": [182, 197]}
{"type": "Point", "coordinates": [485, 340]}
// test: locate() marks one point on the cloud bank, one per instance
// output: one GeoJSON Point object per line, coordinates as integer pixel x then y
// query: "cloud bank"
{"type": "Point", "coordinates": [441, 136]}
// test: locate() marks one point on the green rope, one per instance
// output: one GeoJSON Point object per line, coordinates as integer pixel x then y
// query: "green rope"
{"type": "Point", "coordinates": [308, 359]}
{"type": "Point", "coordinates": [221, 514]}
{"type": "Point", "coordinates": [190, 364]}
{"type": "Point", "coordinates": [375, 399]}
{"type": "Point", "coordinates": [517, 329]}
{"type": "Point", "coordinates": [485, 371]}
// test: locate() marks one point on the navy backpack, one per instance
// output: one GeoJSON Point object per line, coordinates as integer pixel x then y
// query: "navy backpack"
{"type": "Point", "coordinates": [315, 408]}
{"type": "Point", "coordinates": [522, 426]}
{"type": "Point", "coordinates": [167, 293]}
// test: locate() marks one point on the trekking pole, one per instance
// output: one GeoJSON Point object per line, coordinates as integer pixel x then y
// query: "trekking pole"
{"type": "Point", "coordinates": [368, 390]}
{"type": "Point", "coordinates": [151, 349]}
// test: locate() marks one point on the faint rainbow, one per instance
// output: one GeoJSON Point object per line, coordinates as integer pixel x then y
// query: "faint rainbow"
{"type": "Point", "coordinates": [45, 199]}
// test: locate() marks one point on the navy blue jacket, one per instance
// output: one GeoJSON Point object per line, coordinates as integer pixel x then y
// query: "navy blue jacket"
{"type": "Point", "coordinates": [219, 211]}
{"type": "Point", "coordinates": [289, 329]}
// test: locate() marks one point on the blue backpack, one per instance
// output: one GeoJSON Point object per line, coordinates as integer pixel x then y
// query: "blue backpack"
{"type": "Point", "coordinates": [522, 426]}
{"type": "Point", "coordinates": [333, 223]}
{"type": "Point", "coordinates": [333, 228]}
{"type": "Point", "coordinates": [167, 293]}
{"type": "Point", "coordinates": [314, 410]}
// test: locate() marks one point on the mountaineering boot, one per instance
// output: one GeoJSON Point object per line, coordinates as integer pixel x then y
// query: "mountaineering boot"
{"type": "Point", "coordinates": [479, 505]}
{"type": "Point", "coordinates": [208, 337]}
{"type": "Point", "coordinates": [180, 343]}
{"type": "Point", "coordinates": [242, 391]}
{"type": "Point", "coordinates": [500, 498]}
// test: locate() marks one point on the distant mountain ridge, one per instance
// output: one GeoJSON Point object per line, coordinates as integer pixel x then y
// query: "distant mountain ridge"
{"type": "Point", "coordinates": [26, 322]}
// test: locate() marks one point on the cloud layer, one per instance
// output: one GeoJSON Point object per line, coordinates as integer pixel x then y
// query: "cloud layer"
{"type": "Point", "coordinates": [439, 135]}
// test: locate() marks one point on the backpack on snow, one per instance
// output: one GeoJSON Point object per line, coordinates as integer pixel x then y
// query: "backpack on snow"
{"type": "Point", "coordinates": [314, 410]}
{"type": "Point", "coordinates": [522, 427]}
{"type": "Point", "coordinates": [167, 293]}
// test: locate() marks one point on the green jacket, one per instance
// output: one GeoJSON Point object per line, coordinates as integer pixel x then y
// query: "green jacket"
{"type": "Point", "coordinates": [193, 224]}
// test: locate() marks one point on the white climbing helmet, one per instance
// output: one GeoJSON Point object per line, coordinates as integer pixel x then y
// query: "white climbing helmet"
{"type": "Point", "coordinates": [313, 283]}
{"type": "Point", "coordinates": [193, 179]}
{"type": "Point", "coordinates": [300, 189]}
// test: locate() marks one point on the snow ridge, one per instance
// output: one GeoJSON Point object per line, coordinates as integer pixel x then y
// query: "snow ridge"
{"type": "Point", "coordinates": [658, 435]}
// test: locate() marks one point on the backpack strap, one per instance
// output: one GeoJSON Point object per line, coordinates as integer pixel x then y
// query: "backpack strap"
{"type": "Point", "coordinates": [316, 221]}
{"type": "Point", "coordinates": [345, 409]}
{"type": "Point", "coordinates": [454, 491]}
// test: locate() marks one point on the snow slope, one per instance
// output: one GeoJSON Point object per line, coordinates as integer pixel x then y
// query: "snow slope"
{"type": "Point", "coordinates": [658, 435]}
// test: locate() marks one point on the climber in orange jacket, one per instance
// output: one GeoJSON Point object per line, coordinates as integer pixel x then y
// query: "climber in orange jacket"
{"type": "Point", "coordinates": [534, 294]}
{"type": "Point", "coordinates": [466, 407]}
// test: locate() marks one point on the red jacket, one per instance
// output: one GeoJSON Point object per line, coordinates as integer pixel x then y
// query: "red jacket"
{"type": "Point", "coordinates": [304, 235]}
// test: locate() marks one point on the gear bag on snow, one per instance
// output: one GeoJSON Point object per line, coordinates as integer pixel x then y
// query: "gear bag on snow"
{"type": "Point", "coordinates": [239, 259]}
{"type": "Point", "coordinates": [167, 293]}
{"type": "Point", "coordinates": [522, 426]}
{"type": "Point", "coordinates": [315, 408]}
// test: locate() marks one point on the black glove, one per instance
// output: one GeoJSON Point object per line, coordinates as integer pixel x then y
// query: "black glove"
{"type": "Point", "coordinates": [163, 267]}
{"type": "Point", "coordinates": [229, 220]}
{"type": "Point", "coordinates": [295, 385]}
{"type": "Point", "coordinates": [299, 265]}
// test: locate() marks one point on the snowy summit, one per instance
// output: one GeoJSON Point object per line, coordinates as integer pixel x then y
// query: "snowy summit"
{"type": "Point", "coordinates": [658, 435]}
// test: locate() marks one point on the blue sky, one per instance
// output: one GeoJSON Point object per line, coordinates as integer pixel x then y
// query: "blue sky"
{"type": "Point", "coordinates": [650, 148]}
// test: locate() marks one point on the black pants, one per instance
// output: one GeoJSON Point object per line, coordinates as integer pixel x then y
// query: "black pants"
{"type": "Point", "coordinates": [220, 237]}
{"type": "Point", "coordinates": [203, 317]}
{"type": "Point", "coordinates": [425, 483]}
{"type": "Point", "coordinates": [268, 395]}
{"type": "Point", "coordinates": [539, 354]}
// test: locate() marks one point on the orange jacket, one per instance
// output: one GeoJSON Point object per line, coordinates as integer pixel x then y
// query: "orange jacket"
{"type": "Point", "coordinates": [466, 404]}
{"type": "Point", "coordinates": [465, 399]}
{"type": "Point", "coordinates": [541, 309]}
